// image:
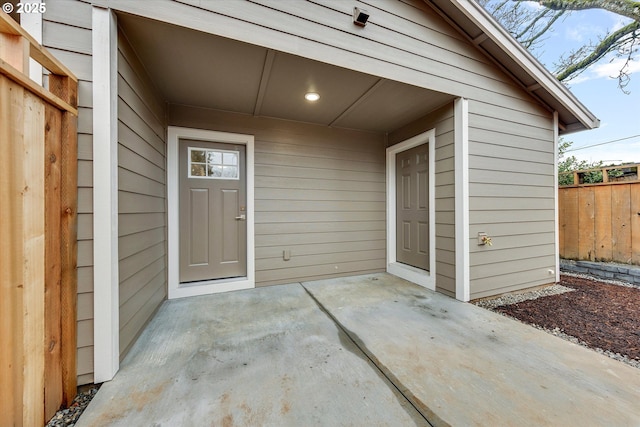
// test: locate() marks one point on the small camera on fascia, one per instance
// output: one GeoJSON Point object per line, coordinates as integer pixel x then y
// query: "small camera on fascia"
{"type": "Point", "coordinates": [360, 16]}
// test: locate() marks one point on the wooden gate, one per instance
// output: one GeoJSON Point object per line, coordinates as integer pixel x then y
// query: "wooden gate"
{"type": "Point", "coordinates": [38, 199]}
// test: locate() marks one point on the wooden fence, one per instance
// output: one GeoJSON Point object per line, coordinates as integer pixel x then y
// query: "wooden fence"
{"type": "Point", "coordinates": [600, 222]}
{"type": "Point", "coordinates": [38, 199]}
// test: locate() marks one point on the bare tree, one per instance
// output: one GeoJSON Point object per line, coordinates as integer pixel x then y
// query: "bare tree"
{"type": "Point", "coordinates": [531, 25]}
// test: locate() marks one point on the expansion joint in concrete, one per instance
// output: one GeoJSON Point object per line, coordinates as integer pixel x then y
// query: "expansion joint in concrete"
{"type": "Point", "coordinates": [431, 418]}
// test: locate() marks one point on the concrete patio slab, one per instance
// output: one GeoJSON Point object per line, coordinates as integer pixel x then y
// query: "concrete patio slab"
{"type": "Point", "coordinates": [370, 350]}
{"type": "Point", "coordinates": [462, 365]}
{"type": "Point", "coordinates": [264, 357]}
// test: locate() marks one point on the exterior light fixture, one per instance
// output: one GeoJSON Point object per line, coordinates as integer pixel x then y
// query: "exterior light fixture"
{"type": "Point", "coordinates": [360, 16]}
{"type": "Point", "coordinates": [311, 96]}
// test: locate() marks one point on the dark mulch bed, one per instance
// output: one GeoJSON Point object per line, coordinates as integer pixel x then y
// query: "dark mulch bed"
{"type": "Point", "coordinates": [601, 315]}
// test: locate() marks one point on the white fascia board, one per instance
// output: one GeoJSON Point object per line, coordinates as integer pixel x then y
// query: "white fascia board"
{"type": "Point", "coordinates": [106, 325]}
{"type": "Point", "coordinates": [518, 53]}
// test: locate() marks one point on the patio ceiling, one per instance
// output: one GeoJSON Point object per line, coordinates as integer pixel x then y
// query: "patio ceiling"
{"type": "Point", "coordinates": [203, 70]}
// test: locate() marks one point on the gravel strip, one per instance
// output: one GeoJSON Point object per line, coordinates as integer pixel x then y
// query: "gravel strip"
{"type": "Point", "coordinates": [508, 299]}
{"type": "Point", "coordinates": [69, 417]}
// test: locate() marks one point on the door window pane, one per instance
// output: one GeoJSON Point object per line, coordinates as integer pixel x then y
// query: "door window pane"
{"type": "Point", "coordinates": [230, 158]}
{"type": "Point", "coordinates": [198, 170]}
{"type": "Point", "coordinates": [215, 171]}
{"type": "Point", "coordinates": [214, 157]}
{"type": "Point", "coordinates": [213, 164]}
{"type": "Point", "coordinates": [229, 171]}
{"type": "Point", "coordinates": [198, 156]}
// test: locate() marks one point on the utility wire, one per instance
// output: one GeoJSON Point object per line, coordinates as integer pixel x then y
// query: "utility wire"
{"type": "Point", "coordinates": [603, 143]}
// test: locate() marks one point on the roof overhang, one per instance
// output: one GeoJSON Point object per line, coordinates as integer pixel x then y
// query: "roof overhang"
{"type": "Point", "coordinates": [491, 38]}
{"type": "Point", "coordinates": [257, 81]}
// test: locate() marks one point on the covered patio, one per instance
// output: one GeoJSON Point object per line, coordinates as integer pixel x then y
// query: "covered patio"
{"type": "Point", "coordinates": [321, 190]}
{"type": "Point", "coordinates": [364, 350]}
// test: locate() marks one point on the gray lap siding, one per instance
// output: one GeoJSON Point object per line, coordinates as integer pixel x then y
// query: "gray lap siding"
{"type": "Point", "coordinates": [512, 197]}
{"type": "Point", "coordinates": [319, 193]}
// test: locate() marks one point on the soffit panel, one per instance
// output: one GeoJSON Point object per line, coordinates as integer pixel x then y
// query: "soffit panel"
{"type": "Point", "coordinates": [194, 68]}
{"type": "Point", "coordinates": [203, 70]}
{"type": "Point", "coordinates": [393, 105]}
{"type": "Point", "coordinates": [292, 76]}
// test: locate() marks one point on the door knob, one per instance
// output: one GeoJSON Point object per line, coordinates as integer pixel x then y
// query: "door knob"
{"type": "Point", "coordinates": [241, 218]}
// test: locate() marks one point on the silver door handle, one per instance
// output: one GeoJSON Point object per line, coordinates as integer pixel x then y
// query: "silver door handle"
{"type": "Point", "coordinates": [241, 218]}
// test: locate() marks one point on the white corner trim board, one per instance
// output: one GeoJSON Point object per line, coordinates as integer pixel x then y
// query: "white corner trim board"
{"type": "Point", "coordinates": [556, 129]}
{"type": "Point", "coordinates": [461, 129]}
{"type": "Point", "coordinates": [175, 289]}
{"type": "Point", "coordinates": [106, 358]}
{"type": "Point", "coordinates": [412, 274]}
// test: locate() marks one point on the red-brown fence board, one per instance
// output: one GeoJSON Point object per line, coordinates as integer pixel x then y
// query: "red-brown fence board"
{"type": "Point", "coordinates": [620, 223]}
{"type": "Point", "coordinates": [586, 223]}
{"type": "Point", "coordinates": [635, 224]}
{"type": "Point", "coordinates": [570, 222]}
{"type": "Point", "coordinates": [603, 243]}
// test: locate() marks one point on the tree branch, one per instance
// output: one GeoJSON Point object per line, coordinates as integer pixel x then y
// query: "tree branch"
{"type": "Point", "coordinates": [530, 25]}
{"type": "Point", "coordinates": [604, 47]}
{"type": "Point", "coordinates": [628, 8]}
{"type": "Point", "coordinates": [501, 5]}
{"type": "Point", "coordinates": [543, 30]}
{"type": "Point", "coordinates": [533, 22]}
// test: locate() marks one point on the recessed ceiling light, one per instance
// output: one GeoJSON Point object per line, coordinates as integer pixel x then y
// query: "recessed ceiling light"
{"type": "Point", "coordinates": [311, 96]}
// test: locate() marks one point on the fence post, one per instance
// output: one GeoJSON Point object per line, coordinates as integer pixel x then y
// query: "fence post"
{"type": "Point", "coordinates": [67, 90]}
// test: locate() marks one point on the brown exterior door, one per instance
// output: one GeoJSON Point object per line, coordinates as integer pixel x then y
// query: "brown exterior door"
{"type": "Point", "coordinates": [412, 207]}
{"type": "Point", "coordinates": [213, 228]}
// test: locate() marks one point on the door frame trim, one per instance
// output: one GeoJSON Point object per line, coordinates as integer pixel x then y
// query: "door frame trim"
{"type": "Point", "coordinates": [175, 290]}
{"type": "Point", "coordinates": [412, 274]}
